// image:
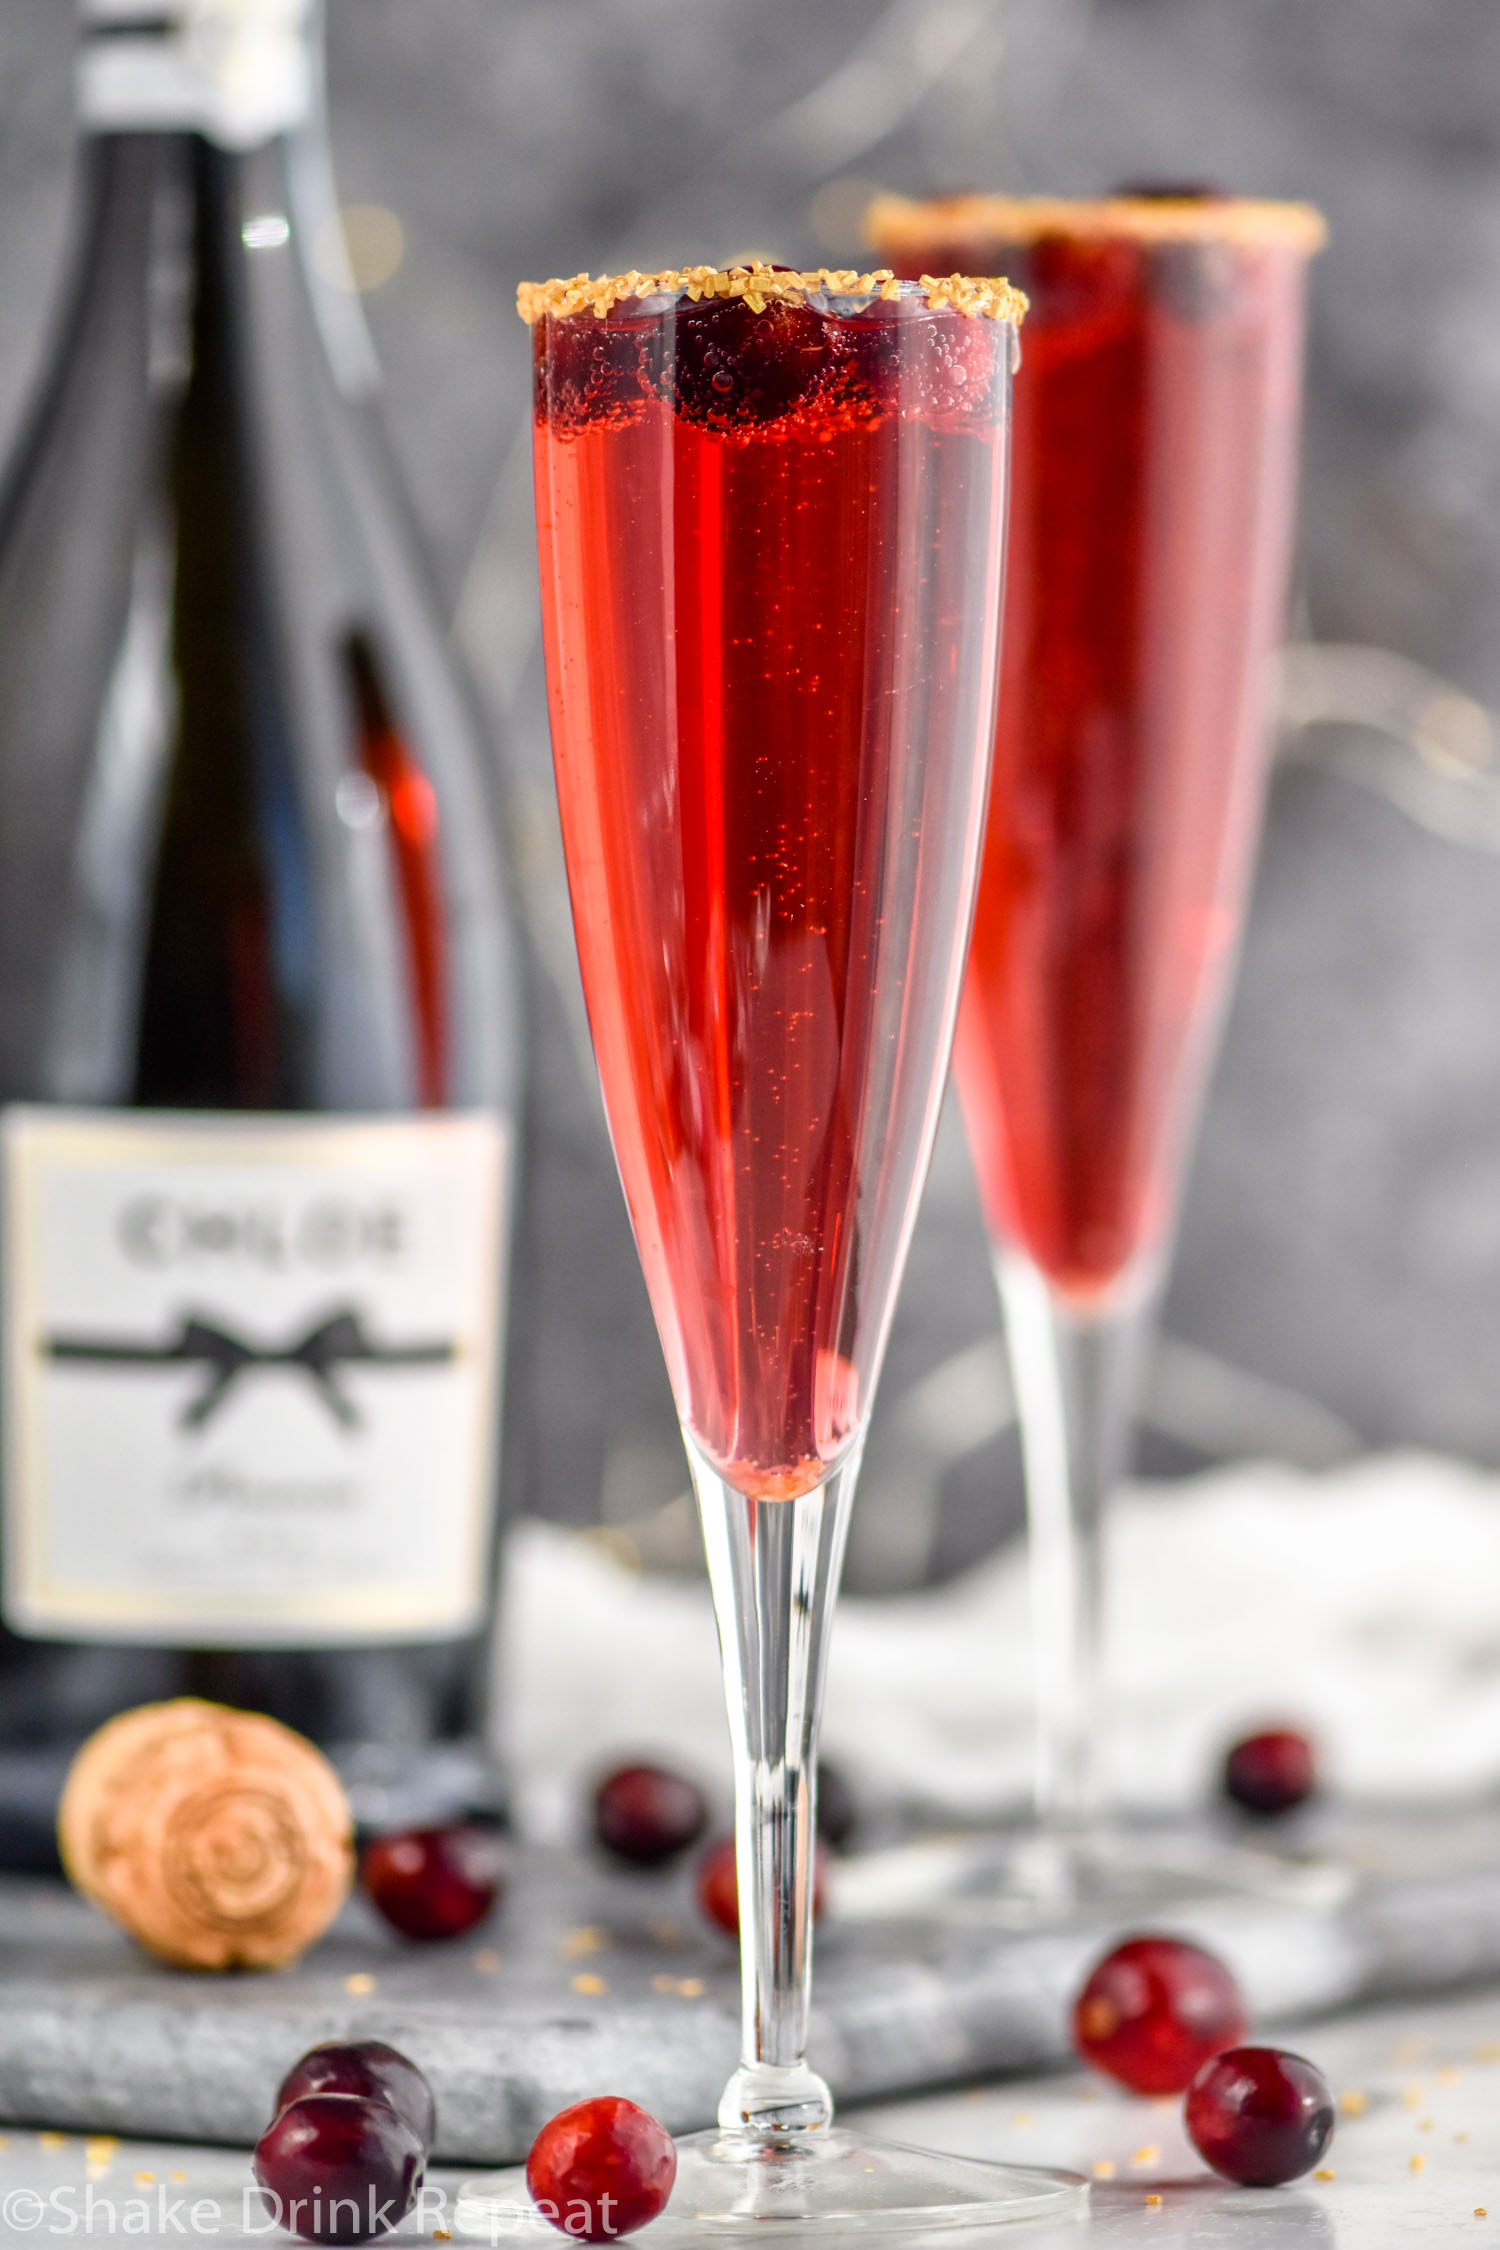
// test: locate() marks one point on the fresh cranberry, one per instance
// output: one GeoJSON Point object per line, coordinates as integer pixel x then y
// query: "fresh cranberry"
{"type": "Point", "coordinates": [1153, 2010]}
{"type": "Point", "coordinates": [1271, 1772]}
{"type": "Point", "coordinates": [367, 2067]}
{"type": "Point", "coordinates": [434, 1882]}
{"type": "Point", "coordinates": [1259, 2115]}
{"type": "Point", "coordinates": [908, 356]}
{"type": "Point", "coordinates": [719, 1889]}
{"type": "Point", "coordinates": [647, 1814]}
{"type": "Point", "coordinates": [601, 2169]}
{"type": "Point", "coordinates": [838, 1808]}
{"type": "Point", "coordinates": [339, 2168]}
{"type": "Point", "coordinates": [590, 371]}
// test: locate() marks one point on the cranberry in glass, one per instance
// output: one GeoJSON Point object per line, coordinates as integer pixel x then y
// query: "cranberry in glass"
{"type": "Point", "coordinates": [737, 370]}
{"type": "Point", "coordinates": [1259, 2115]}
{"type": "Point", "coordinates": [648, 1814]}
{"type": "Point", "coordinates": [367, 2067]}
{"type": "Point", "coordinates": [719, 1889]}
{"type": "Point", "coordinates": [601, 2169]}
{"type": "Point", "coordinates": [434, 1882]}
{"type": "Point", "coordinates": [339, 2168]}
{"type": "Point", "coordinates": [1270, 1772]}
{"type": "Point", "coordinates": [1153, 2010]}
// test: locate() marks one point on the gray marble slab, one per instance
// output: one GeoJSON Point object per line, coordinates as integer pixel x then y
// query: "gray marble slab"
{"type": "Point", "coordinates": [584, 1981]}
{"type": "Point", "coordinates": [1416, 2158]}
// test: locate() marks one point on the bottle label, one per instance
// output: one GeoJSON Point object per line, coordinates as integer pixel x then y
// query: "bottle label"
{"type": "Point", "coordinates": [250, 1375]}
{"type": "Point", "coordinates": [238, 71]}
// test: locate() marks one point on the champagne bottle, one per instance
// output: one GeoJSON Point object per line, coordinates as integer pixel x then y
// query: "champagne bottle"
{"type": "Point", "coordinates": [259, 1032]}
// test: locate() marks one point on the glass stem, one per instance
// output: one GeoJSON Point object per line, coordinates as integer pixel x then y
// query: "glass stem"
{"type": "Point", "coordinates": [774, 1569]}
{"type": "Point", "coordinates": [1076, 1377]}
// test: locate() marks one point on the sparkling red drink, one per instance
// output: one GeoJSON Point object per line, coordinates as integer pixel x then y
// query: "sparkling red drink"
{"type": "Point", "coordinates": [1151, 514]}
{"type": "Point", "coordinates": [770, 510]}
{"type": "Point", "coordinates": [764, 537]}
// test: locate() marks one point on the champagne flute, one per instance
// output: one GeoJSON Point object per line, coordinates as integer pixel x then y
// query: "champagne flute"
{"type": "Point", "coordinates": [770, 510]}
{"type": "Point", "coordinates": [1153, 489]}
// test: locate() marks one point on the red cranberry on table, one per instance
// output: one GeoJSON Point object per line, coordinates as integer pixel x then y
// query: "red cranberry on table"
{"type": "Point", "coordinates": [1270, 1772]}
{"type": "Point", "coordinates": [339, 2168]}
{"type": "Point", "coordinates": [601, 2169]}
{"type": "Point", "coordinates": [434, 1882]}
{"type": "Point", "coordinates": [838, 1809]}
{"type": "Point", "coordinates": [367, 2067]}
{"type": "Point", "coordinates": [648, 1814]}
{"type": "Point", "coordinates": [1154, 2010]}
{"type": "Point", "coordinates": [719, 1888]}
{"type": "Point", "coordinates": [1259, 2115]}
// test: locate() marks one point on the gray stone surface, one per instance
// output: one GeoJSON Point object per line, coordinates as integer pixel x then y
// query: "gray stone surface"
{"type": "Point", "coordinates": [607, 1983]}
{"type": "Point", "coordinates": [1428, 2079]}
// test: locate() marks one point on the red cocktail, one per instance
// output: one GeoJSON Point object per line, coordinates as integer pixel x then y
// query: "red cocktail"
{"type": "Point", "coordinates": [1151, 513]}
{"type": "Point", "coordinates": [1153, 488]}
{"type": "Point", "coordinates": [769, 690]}
{"type": "Point", "coordinates": [770, 509]}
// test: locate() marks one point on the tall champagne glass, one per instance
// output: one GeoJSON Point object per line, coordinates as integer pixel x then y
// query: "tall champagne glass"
{"type": "Point", "coordinates": [1154, 457]}
{"type": "Point", "coordinates": [770, 510]}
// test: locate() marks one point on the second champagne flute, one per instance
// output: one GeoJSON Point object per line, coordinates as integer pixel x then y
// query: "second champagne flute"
{"type": "Point", "coordinates": [770, 509]}
{"type": "Point", "coordinates": [1153, 490]}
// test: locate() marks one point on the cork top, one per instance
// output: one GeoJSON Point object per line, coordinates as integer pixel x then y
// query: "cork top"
{"type": "Point", "coordinates": [218, 1838]}
{"type": "Point", "coordinates": [896, 223]}
{"type": "Point", "coordinates": [760, 285]}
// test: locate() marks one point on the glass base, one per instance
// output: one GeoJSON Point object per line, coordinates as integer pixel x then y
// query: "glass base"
{"type": "Point", "coordinates": [1034, 1881]}
{"type": "Point", "coordinates": [797, 2188]}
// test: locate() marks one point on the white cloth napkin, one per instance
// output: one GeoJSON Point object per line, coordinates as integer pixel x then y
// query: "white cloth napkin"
{"type": "Point", "coordinates": [1363, 1604]}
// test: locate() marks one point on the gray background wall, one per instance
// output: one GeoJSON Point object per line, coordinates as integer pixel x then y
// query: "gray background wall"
{"type": "Point", "coordinates": [1339, 1277]}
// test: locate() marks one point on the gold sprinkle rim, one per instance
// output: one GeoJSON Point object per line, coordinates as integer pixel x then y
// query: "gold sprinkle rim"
{"type": "Point", "coordinates": [758, 286]}
{"type": "Point", "coordinates": [898, 222]}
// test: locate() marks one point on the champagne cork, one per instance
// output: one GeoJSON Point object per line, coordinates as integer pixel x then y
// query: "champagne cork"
{"type": "Point", "coordinates": [219, 1839]}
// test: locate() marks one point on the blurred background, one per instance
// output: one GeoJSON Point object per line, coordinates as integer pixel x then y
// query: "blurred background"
{"type": "Point", "coordinates": [1337, 1288]}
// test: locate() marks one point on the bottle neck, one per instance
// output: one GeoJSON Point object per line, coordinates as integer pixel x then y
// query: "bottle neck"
{"type": "Point", "coordinates": [238, 72]}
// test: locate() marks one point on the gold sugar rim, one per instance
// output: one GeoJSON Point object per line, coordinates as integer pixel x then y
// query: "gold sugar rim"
{"type": "Point", "coordinates": [760, 285]}
{"type": "Point", "coordinates": [896, 221]}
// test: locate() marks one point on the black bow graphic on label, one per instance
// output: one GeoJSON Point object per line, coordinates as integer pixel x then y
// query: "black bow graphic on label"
{"type": "Point", "coordinates": [338, 1341]}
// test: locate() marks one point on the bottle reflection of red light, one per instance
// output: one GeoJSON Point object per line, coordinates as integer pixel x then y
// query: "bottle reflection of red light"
{"type": "Point", "coordinates": [412, 814]}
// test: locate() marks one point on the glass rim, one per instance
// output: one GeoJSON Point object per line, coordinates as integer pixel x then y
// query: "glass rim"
{"type": "Point", "coordinates": [893, 222]}
{"type": "Point", "coordinates": [988, 297]}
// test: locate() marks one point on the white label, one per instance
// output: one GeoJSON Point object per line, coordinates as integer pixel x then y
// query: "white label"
{"type": "Point", "coordinates": [238, 71]}
{"type": "Point", "coordinates": [249, 1375]}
